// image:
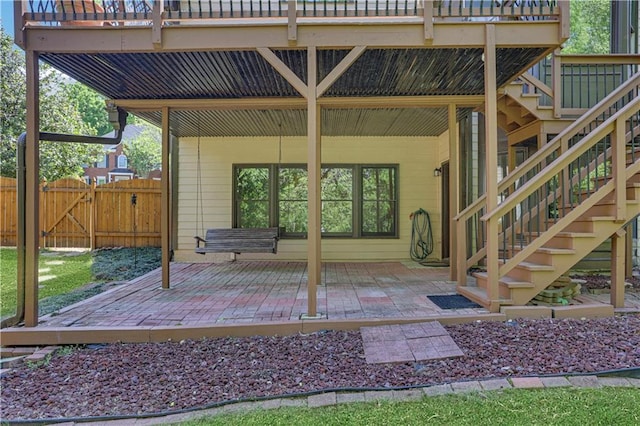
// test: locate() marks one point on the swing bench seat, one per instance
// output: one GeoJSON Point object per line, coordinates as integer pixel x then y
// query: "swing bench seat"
{"type": "Point", "coordinates": [239, 240]}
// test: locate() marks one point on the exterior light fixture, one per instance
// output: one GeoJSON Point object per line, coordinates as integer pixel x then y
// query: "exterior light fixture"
{"type": "Point", "coordinates": [437, 171]}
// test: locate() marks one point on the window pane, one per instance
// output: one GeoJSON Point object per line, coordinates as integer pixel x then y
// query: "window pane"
{"type": "Point", "coordinates": [337, 200]}
{"type": "Point", "coordinates": [293, 216]}
{"type": "Point", "coordinates": [337, 183]}
{"type": "Point", "coordinates": [252, 197]}
{"type": "Point", "coordinates": [337, 217]}
{"type": "Point", "coordinates": [378, 217]}
{"type": "Point", "coordinates": [292, 193]}
{"type": "Point", "coordinates": [378, 183]}
{"type": "Point", "coordinates": [378, 200]}
{"type": "Point", "coordinates": [253, 214]}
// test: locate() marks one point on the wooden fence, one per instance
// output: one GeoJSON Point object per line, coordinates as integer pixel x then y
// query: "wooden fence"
{"type": "Point", "coordinates": [74, 214]}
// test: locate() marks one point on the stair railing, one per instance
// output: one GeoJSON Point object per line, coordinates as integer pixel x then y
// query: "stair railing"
{"type": "Point", "coordinates": [469, 222]}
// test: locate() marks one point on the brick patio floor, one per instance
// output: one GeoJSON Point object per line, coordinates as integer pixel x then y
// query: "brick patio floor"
{"type": "Point", "coordinates": [263, 291]}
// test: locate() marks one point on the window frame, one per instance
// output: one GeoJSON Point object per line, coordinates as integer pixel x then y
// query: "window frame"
{"type": "Point", "coordinates": [357, 198]}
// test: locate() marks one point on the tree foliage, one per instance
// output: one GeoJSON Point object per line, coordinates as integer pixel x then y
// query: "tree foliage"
{"type": "Point", "coordinates": [57, 114]}
{"type": "Point", "coordinates": [91, 106]}
{"type": "Point", "coordinates": [590, 31]}
{"type": "Point", "coordinates": [144, 153]}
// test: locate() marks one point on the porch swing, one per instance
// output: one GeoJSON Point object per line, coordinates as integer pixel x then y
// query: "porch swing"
{"type": "Point", "coordinates": [233, 240]}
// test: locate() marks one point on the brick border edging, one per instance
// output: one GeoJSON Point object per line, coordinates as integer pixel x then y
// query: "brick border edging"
{"type": "Point", "coordinates": [339, 398]}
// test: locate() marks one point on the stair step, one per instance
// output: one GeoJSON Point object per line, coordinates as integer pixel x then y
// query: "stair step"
{"type": "Point", "coordinates": [506, 281]}
{"type": "Point", "coordinates": [545, 107]}
{"type": "Point", "coordinates": [535, 266]}
{"type": "Point", "coordinates": [531, 95]}
{"type": "Point", "coordinates": [479, 295]}
{"type": "Point", "coordinates": [554, 251]}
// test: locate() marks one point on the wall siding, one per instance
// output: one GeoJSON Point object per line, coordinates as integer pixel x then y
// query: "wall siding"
{"type": "Point", "coordinates": [417, 157]}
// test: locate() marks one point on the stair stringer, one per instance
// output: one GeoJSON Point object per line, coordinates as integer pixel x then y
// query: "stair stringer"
{"type": "Point", "coordinates": [603, 228]}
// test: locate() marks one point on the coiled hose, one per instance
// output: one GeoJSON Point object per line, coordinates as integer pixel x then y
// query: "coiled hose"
{"type": "Point", "coordinates": [421, 235]}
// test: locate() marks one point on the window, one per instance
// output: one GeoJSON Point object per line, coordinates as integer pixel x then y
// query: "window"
{"type": "Point", "coordinates": [101, 180]}
{"type": "Point", "coordinates": [357, 200]}
{"type": "Point", "coordinates": [122, 161]}
{"type": "Point", "coordinates": [104, 162]}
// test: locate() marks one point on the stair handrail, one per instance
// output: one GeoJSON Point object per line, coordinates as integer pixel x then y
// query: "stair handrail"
{"type": "Point", "coordinates": [560, 141]}
{"type": "Point", "coordinates": [498, 269]}
{"type": "Point", "coordinates": [534, 81]}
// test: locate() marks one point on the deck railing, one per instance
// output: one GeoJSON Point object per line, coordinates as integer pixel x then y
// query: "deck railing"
{"type": "Point", "coordinates": [555, 185]}
{"type": "Point", "coordinates": [120, 12]}
{"type": "Point", "coordinates": [581, 80]}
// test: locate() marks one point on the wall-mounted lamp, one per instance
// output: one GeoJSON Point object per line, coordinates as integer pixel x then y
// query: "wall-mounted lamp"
{"type": "Point", "coordinates": [437, 171]}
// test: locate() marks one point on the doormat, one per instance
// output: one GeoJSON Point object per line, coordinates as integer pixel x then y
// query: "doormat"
{"type": "Point", "coordinates": [453, 301]}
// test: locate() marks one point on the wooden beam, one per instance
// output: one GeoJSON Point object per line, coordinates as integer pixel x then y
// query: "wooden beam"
{"type": "Point", "coordinates": [19, 6]}
{"type": "Point", "coordinates": [454, 189]}
{"type": "Point", "coordinates": [335, 73]}
{"type": "Point", "coordinates": [427, 14]}
{"type": "Point", "coordinates": [618, 268]}
{"type": "Point", "coordinates": [165, 201]}
{"type": "Point", "coordinates": [284, 70]}
{"type": "Point", "coordinates": [491, 150]}
{"type": "Point", "coordinates": [32, 240]}
{"type": "Point", "coordinates": [156, 24]}
{"type": "Point", "coordinates": [381, 32]}
{"type": "Point", "coordinates": [314, 168]}
{"type": "Point", "coordinates": [292, 22]}
{"type": "Point", "coordinates": [461, 101]}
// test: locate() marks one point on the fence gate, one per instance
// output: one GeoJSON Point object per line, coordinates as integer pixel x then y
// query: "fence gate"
{"type": "Point", "coordinates": [65, 214]}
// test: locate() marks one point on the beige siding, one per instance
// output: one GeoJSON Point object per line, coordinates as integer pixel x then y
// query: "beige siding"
{"type": "Point", "coordinates": [417, 157]}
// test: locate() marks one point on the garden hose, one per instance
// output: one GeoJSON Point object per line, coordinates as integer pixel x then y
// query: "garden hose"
{"type": "Point", "coordinates": [421, 235]}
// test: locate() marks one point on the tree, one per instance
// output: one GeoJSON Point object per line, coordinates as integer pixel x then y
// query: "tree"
{"type": "Point", "coordinates": [57, 114]}
{"type": "Point", "coordinates": [144, 153]}
{"type": "Point", "coordinates": [91, 106]}
{"type": "Point", "coordinates": [590, 31]}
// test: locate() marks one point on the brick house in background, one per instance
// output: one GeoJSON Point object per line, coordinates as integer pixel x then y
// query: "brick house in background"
{"type": "Point", "coordinates": [114, 165]}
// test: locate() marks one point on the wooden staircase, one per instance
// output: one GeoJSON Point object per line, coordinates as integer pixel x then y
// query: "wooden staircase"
{"type": "Point", "coordinates": [589, 206]}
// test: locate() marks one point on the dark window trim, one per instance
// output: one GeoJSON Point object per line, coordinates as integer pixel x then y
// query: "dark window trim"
{"type": "Point", "coordinates": [357, 210]}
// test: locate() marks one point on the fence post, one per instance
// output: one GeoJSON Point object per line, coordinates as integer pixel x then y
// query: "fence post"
{"type": "Point", "coordinates": [92, 215]}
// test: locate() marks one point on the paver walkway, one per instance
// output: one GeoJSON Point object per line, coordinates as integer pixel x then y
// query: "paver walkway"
{"type": "Point", "coordinates": [407, 343]}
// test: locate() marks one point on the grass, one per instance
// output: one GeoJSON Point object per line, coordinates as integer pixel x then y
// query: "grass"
{"type": "Point", "coordinates": [554, 406]}
{"type": "Point", "coordinates": [59, 272]}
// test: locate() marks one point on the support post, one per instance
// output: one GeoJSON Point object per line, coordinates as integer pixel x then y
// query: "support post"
{"type": "Point", "coordinates": [166, 201]}
{"type": "Point", "coordinates": [618, 257]}
{"type": "Point", "coordinates": [491, 140]}
{"type": "Point", "coordinates": [314, 160]}
{"type": "Point", "coordinates": [32, 190]}
{"type": "Point", "coordinates": [556, 82]}
{"type": "Point", "coordinates": [619, 170]}
{"type": "Point", "coordinates": [428, 19]}
{"type": "Point", "coordinates": [454, 188]}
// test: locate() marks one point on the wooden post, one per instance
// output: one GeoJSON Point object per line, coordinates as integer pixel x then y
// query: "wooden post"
{"type": "Point", "coordinates": [165, 200]}
{"type": "Point", "coordinates": [32, 190]}
{"type": "Point", "coordinates": [92, 214]}
{"type": "Point", "coordinates": [454, 189]}
{"type": "Point", "coordinates": [314, 251]}
{"type": "Point", "coordinates": [292, 23]}
{"type": "Point", "coordinates": [19, 7]}
{"type": "Point", "coordinates": [618, 169]}
{"type": "Point", "coordinates": [556, 83]}
{"type": "Point", "coordinates": [428, 19]}
{"type": "Point", "coordinates": [617, 268]}
{"type": "Point", "coordinates": [491, 141]}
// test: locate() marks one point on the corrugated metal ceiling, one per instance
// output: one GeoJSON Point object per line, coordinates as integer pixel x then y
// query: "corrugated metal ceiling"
{"type": "Point", "coordinates": [246, 74]}
{"type": "Point", "coordinates": [335, 122]}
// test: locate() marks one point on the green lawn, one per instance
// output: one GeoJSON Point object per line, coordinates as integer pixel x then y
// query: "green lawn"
{"type": "Point", "coordinates": [555, 406]}
{"type": "Point", "coordinates": [59, 272]}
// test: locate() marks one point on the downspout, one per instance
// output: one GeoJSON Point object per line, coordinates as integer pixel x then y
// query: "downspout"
{"type": "Point", "coordinates": [21, 185]}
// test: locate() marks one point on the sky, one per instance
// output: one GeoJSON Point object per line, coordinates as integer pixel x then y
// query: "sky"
{"type": "Point", "coordinates": [6, 16]}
